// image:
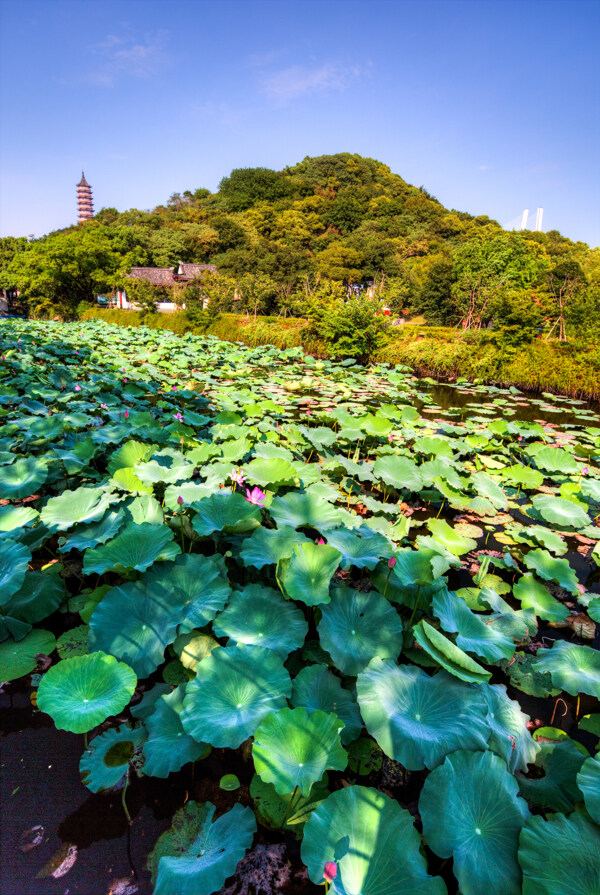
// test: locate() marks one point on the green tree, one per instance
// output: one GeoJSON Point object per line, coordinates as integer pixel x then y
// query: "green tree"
{"type": "Point", "coordinates": [246, 186]}
{"type": "Point", "coordinates": [435, 299]}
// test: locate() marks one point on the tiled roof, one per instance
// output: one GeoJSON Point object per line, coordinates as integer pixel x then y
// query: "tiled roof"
{"type": "Point", "coordinates": [191, 271]}
{"type": "Point", "coordinates": [158, 276]}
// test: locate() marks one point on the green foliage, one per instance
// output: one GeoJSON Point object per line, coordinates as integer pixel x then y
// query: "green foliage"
{"type": "Point", "coordinates": [351, 327]}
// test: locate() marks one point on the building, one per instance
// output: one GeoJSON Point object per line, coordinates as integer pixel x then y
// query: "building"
{"type": "Point", "coordinates": [169, 277]}
{"type": "Point", "coordinates": [85, 208]}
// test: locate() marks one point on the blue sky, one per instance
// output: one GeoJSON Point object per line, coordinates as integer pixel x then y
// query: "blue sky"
{"type": "Point", "coordinates": [492, 105]}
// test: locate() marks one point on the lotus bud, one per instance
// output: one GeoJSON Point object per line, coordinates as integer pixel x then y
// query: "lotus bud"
{"type": "Point", "coordinates": [77, 388]}
{"type": "Point", "coordinates": [391, 562]}
{"type": "Point", "coordinates": [180, 500]}
{"type": "Point", "coordinates": [126, 414]}
{"type": "Point", "coordinates": [330, 871]}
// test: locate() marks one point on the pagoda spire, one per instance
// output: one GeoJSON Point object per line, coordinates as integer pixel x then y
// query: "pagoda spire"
{"type": "Point", "coordinates": [85, 208]}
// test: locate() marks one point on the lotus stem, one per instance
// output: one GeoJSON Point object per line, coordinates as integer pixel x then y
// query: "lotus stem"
{"type": "Point", "coordinates": [387, 581]}
{"type": "Point", "coordinates": [288, 809]}
{"type": "Point", "coordinates": [414, 607]}
{"type": "Point", "coordinates": [85, 741]}
{"type": "Point", "coordinates": [181, 530]}
{"type": "Point", "coordinates": [577, 707]}
{"type": "Point", "coordinates": [123, 800]}
{"type": "Point", "coordinates": [440, 509]}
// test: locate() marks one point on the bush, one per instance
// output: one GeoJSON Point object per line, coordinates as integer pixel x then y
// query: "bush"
{"type": "Point", "coordinates": [352, 328]}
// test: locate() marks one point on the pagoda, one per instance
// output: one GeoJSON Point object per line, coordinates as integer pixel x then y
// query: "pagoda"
{"type": "Point", "coordinates": [84, 200]}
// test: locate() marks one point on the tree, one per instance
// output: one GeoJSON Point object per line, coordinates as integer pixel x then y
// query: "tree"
{"type": "Point", "coordinates": [246, 186]}
{"type": "Point", "coordinates": [565, 281]}
{"type": "Point", "coordinates": [435, 300]}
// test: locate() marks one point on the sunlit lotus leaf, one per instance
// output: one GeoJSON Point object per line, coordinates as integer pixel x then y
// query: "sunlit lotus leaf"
{"type": "Point", "coordinates": [82, 692]}
{"type": "Point", "coordinates": [449, 538]}
{"type": "Point", "coordinates": [39, 596]}
{"type": "Point", "coordinates": [356, 626]}
{"type": "Point", "coordinates": [557, 788]}
{"type": "Point", "coordinates": [105, 763]}
{"type": "Point", "coordinates": [193, 647]}
{"type": "Point", "coordinates": [476, 633]}
{"type": "Point", "coordinates": [93, 533]}
{"type": "Point", "coordinates": [20, 658]}
{"type": "Point", "coordinates": [224, 512]}
{"type": "Point", "coordinates": [573, 668]}
{"type": "Point", "coordinates": [169, 747]}
{"type": "Point", "coordinates": [362, 548]}
{"type": "Point", "coordinates": [551, 569]}
{"type": "Point", "coordinates": [189, 491]}
{"type": "Point", "coordinates": [136, 622]}
{"type": "Point", "coordinates": [399, 472]}
{"type": "Point", "coordinates": [560, 855]}
{"type": "Point", "coordinates": [317, 689]}
{"type": "Point", "coordinates": [524, 476]}
{"type": "Point", "coordinates": [143, 509]}
{"type": "Point", "coordinates": [532, 594]}
{"type": "Point", "coordinates": [84, 504]}
{"type": "Point", "coordinates": [374, 843]}
{"type": "Point", "coordinates": [419, 567]}
{"type": "Point", "coordinates": [591, 723]}
{"type": "Point", "coordinates": [136, 547]}
{"type": "Point", "coordinates": [14, 562]}
{"type": "Point", "coordinates": [510, 738]}
{"type": "Point", "coordinates": [166, 466]}
{"type": "Point", "coordinates": [294, 748]}
{"type": "Point", "coordinates": [560, 512]}
{"type": "Point", "coordinates": [198, 584]}
{"type": "Point", "coordinates": [129, 454]}
{"type": "Point", "coordinates": [260, 615]}
{"type": "Point", "coordinates": [448, 655]}
{"type": "Point", "coordinates": [442, 468]}
{"type": "Point", "coordinates": [270, 472]}
{"type": "Point", "coordinates": [268, 545]}
{"type": "Point", "coordinates": [555, 460]}
{"type": "Point", "coordinates": [488, 488]}
{"type": "Point", "coordinates": [434, 445]}
{"type": "Point", "coordinates": [234, 689]}
{"type": "Point", "coordinates": [23, 477]}
{"type": "Point", "coordinates": [12, 518]}
{"type": "Point", "coordinates": [303, 509]}
{"type": "Point", "coordinates": [418, 719]}
{"type": "Point", "coordinates": [472, 812]}
{"type": "Point", "coordinates": [126, 480]}
{"type": "Point", "coordinates": [272, 810]}
{"type": "Point", "coordinates": [523, 677]}
{"type": "Point", "coordinates": [197, 856]}
{"type": "Point", "coordinates": [588, 781]}
{"type": "Point", "coordinates": [537, 534]}
{"type": "Point", "coordinates": [307, 574]}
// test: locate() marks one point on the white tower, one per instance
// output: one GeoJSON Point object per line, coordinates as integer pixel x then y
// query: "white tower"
{"type": "Point", "coordinates": [538, 219]}
{"type": "Point", "coordinates": [524, 217]}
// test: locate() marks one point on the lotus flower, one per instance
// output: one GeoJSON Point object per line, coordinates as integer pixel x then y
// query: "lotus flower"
{"type": "Point", "coordinates": [585, 470]}
{"type": "Point", "coordinates": [77, 388]}
{"type": "Point", "coordinates": [180, 500]}
{"type": "Point", "coordinates": [330, 871]}
{"type": "Point", "coordinates": [256, 496]}
{"type": "Point", "coordinates": [391, 562]}
{"type": "Point", "coordinates": [237, 476]}
{"type": "Point", "coordinates": [177, 416]}
{"type": "Point", "coordinates": [126, 414]}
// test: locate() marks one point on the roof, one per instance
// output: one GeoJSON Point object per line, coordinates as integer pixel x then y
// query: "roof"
{"type": "Point", "coordinates": [83, 181]}
{"type": "Point", "coordinates": [158, 276]}
{"type": "Point", "coordinates": [191, 271]}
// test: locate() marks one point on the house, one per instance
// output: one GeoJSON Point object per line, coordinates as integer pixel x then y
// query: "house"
{"type": "Point", "coordinates": [169, 277]}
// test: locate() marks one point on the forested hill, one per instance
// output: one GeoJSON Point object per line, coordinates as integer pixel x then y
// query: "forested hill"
{"type": "Point", "coordinates": [340, 218]}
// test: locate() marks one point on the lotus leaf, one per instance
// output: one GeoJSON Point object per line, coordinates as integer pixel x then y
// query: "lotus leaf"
{"type": "Point", "coordinates": [260, 615]}
{"type": "Point", "coordinates": [573, 668]}
{"type": "Point", "coordinates": [563, 513]}
{"type": "Point", "coordinates": [126, 480]}
{"type": "Point", "coordinates": [532, 594]}
{"type": "Point", "coordinates": [557, 790]}
{"type": "Point", "coordinates": [476, 633]}
{"type": "Point", "coordinates": [382, 854]}
{"type": "Point", "coordinates": [136, 547]}
{"type": "Point", "coordinates": [81, 505]}
{"type": "Point", "coordinates": [270, 471]}
{"type": "Point", "coordinates": [169, 747]}
{"type": "Point", "coordinates": [510, 738]}
{"type": "Point", "coordinates": [12, 518]}
{"type": "Point", "coordinates": [234, 689]}
{"type": "Point", "coordinates": [197, 583]}
{"type": "Point", "coordinates": [93, 533]}
{"type": "Point", "coordinates": [419, 567]}
{"type": "Point", "coordinates": [356, 626]}
{"type": "Point", "coordinates": [303, 509]}
{"type": "Point", "coordinates": [73, 642]}
{"type": "Point", "coordinates": [560, 855]}
{"type": "Point", "coordinates": [316, 688]}
{"type": "Point", "coordinates": [417, 719]}
{"type": "Point", "coordinates": [362, 548]}
{"type": "Point", "coordinates": [525, 678]}
{"type": "Point", "coordinates": [128, 455]}
{"type": "Point", "coordinates": [105, 763]}
{"type": "Point", "coordinates": [588, 781]}
{"type": "Point", "coordinates": [551, 569]}
{"type": "Point", "coordinates": [399, 472]}
{"type": "Point", "coordinates": [471, 812]}
{"type": "Point", "coordinates": [278, 812]}
{"type": "Point", "coordinates": [306, 576]}
{"type": "Point", "coordinates": [81, 692]}
{"type": "Point", "coordinates": [448, 655]}
{"type": "Point", "coordinates": [489, 489]}
{"type": "Point", "coordinates": [17, 659]}
{"type": "Point", "coordinates": [135, 622]}
{"type": "Point", "coordinates": [14, 562]}
{"type": "Point", "coordinates": [199, 864]}
{"type": "Point", "coordinates": [193, 647]}
{"type": "Point", "coordinates": [23, 477]}
{"type": "Point", "coordinates": [268, 545]}
{"type": "Point", "coordinates": [449, 538]}
{"type": "Point", "coordinates": [555, 460]}
{"type": "Point", "coordinates": [224, 512]}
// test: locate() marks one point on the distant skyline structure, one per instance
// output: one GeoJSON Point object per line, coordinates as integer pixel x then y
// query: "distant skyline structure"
{"type": "Point", "coordinates": [524, 220]}
{"type": "Point", "coordinates": [85, 208]}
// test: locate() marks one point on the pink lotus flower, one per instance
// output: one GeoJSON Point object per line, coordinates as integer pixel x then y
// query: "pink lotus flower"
{"type": "Point", "coordinates": [177, 416]}
{"type": "Point", "coordinates": [390, 438]}
{"type": "Point", "coordinates": [180, 500]}
{"type": "Point", "coordinates": [585, 470]}
{"type": "Point", "coordinates": [125, 379]}
{"type": "Point", "coordinates": [103, 407]}
{"type": "Point", "coordinates": [330, 871]}
{"type": "Point", "coordinates": [256, 496]}
{"type": "Point", "coordinates": [319, 541]}
{"type": "Point", "coordinates": [391, 562]}
{"type": "Point", "coordinates": [174, 388]}
{"type": "Point", "coordinates": [77, 388]}
{"type": "Point", "coordinates": [126, 414]}
{"type": "Point", "coordinates": [76, 351]}
{"type": "Point", "coordinates": [237, 476]}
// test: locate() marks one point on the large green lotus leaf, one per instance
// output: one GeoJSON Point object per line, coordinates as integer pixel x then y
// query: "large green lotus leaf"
{"type": "Point", "coordinates": [81, 505]}
{"type": "Point", "coordinates": [317, 689]}
{"type": "Point", "coordinates": [136, 547]}
{"type": "Point", "coordinates": [557, 789]}
{"type": "Point", "coordinates": [294, 748]}
{"type": "Point", "coordinates": [306, 576]}
{"type": "Point", "coordinates": [434, 445]}
{"type": "Point", "coordinates": [362, 548]}
{"type": "Point", "coordinates": [273, 810]}
{"type": "Point", "coordinates": [560, 512]}
{"type": "Point", "coordinates": [448, 655]}
{"type": "Point", "coordinates": [197, 582]}
{"type": "Point", "coordinates": [588, 781]}
{"type": "Point", "coordinates": [356, 626]}
{"type": "Point", "coordinates": [488, 488]}
{"type": "Point", "coordinates": [14, 562]}
{"type": "Point", "coordinates": [382, 854]}
{"type": "Point", "coordinates": [559, 856]}
{"type": "Point", "coordinates": [17, 659]}
{"type": "Point", "coordinates": [144, 708]}
{"type": "Point", "coordinates": [268, 545]}
{"type": "Point", "coordinates": [82, 692]}
{"type": "Point", "coordinates": [301, 508]}
{"type": "Point", "coordinates": [12, 627]}
{"type": "Point", "coordinates": [555, 460]}
{"type": "Point", "coordinates": [417, 719]}
{"type": "Point", "coordinates": [105, 763]}
{"type": "Point", "coordinates": [573, 668]}
{"type": "Point", "coordinates": [537, 534]}
{"type": "Point", "coordinates": [204, 864]}
{"type": "Point", "coordinates": [471, 812]}
{"type": "Point", "coordinates": [260, 615]}
{"type": "Point", "coordinates": [190, 492]}
{"type": "Point", "coordinates": [144, 509]}
{"type": "Point", "coordinates": [166, 466]}
{"type": "Point", "coordinates": [94, 533]}
{"type": "Point", "coordinates": [399, 472]}
{"type": "Point", "coordinates": [532, 594]}
{"type": "Point", "coordinates": [224, 512]}
{"type": "Point", "coordinates": [126, 480]}
{"type": "Point", "coordinates": [551, 569]}
{"type": "Point", "coordinates": [136, 622]}
{"type": "Point", "coordinates": [523, 677]}
{"type": "Point", "coordinates": [270, 472]}
{"type": "Point", "coordinates": [23, 477]}
{"type": "Point", "coordinates": [419, 567]}
{"type": "Point", "coordinates": [234, 689]}
{"type": "Point", "coordinates": [12, 518]}
{"type": "Point", "coordinates": [440, 468]}
{"type": "Point", "coordinates": [476, 633]}
{"type": "Point", "coordinates": [450, 539]}
{"type": "Point", "coordinates": [524, 476]}
{"type": "Point", "coordinates": [128, 454]}
{"type": "Point", "coordinates": [591, 723]}
{"type": "Point", "coordinates": [509, 738]}
{"type": "Point", "coordinates": [169, 747]}
{"type": "Point", "coordinates": [39, 596]}
{"type": "Point", "coordinates": [520, 624]}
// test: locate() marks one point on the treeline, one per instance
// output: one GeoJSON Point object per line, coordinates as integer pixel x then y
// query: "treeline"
{"type": "Point", "coordinates": [292, 241]}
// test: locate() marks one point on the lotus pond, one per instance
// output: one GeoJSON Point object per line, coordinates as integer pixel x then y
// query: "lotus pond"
{"type": "Point", "coordinates": [269, 624]}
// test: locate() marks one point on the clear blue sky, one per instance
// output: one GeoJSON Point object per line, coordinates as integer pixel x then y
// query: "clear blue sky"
{"type": "Point", "coordinates": [492, 105]}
